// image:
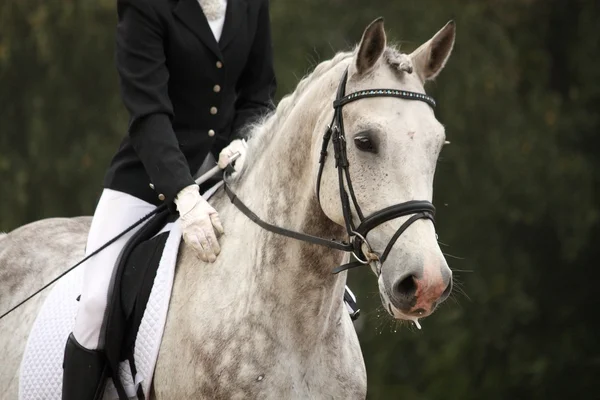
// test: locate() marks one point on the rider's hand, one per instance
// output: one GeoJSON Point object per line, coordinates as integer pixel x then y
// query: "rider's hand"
{"type": "Point", "coordinates": [236, 146]}
{"type": "Point", "coordinates": [199, 221]}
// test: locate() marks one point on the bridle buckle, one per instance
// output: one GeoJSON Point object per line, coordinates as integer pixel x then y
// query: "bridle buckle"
{"type": "Point", "coordinates": [370, 255]}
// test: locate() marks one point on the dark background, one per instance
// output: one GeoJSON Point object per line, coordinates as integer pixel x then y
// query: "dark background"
{"type": "Point", "coordinates": [516, 191]}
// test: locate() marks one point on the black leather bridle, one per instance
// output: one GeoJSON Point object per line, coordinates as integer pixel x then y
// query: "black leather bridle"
{"type": "Point", "coordinates": [419, 209]}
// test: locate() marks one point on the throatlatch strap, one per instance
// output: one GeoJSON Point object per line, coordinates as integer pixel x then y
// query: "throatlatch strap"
{"type": "Point", "coordinates": [322, 158]}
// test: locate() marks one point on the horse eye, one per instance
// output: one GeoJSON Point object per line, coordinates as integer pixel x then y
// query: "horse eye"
{"type": "Point", "coordinates": [364, 143]}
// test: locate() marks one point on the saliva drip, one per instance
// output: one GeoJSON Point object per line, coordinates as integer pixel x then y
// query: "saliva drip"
{"type": "Point", "coordinates": [416, 322]}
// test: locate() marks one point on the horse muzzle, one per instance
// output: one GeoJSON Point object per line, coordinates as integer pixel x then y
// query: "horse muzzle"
{"type": "Point", "coordinates": [416, 292]}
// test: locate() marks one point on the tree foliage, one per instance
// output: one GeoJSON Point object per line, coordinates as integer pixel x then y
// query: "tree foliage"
{"type": "Point", "coordinates": [516, 191]}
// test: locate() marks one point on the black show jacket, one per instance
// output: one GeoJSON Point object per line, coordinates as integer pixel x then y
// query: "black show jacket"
{"type": "Point", "coordinates": [187, 95]}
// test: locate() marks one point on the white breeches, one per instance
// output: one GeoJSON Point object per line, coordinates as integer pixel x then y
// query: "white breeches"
{"type": "Point", "coordinates": [116, 211]}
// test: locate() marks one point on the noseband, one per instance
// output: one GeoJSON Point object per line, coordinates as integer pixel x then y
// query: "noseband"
{"type": "Point", "coordinates": [357, 235]}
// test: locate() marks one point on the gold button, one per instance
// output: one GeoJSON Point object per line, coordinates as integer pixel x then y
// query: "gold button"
{"type": "Point", "coordinates": [219, 64]}
{"type": "Point", "coordinates": [213, 110]}
{"type": "Point", "coordinates": [217, 88]}
{"type": "Point", "coordinates": [211, 133]}
{"type": "Point", "coordinates": [161, 197]}
{"type": "Point", "coordinates": [152, 186]}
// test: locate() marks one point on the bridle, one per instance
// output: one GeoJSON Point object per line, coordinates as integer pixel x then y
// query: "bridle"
{"type": "Point", "coordinates": [419, 209]}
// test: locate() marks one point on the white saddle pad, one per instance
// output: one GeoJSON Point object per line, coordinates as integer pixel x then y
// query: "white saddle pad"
{"type": "Point", "coordinates": [41, 368]}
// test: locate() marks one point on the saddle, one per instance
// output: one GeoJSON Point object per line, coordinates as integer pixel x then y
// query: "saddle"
{"type": "Point", "coordinates": [131, 288]}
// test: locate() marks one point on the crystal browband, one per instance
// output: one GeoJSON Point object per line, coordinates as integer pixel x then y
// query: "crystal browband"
{"type": "Point", "coordinates": [385, 93]}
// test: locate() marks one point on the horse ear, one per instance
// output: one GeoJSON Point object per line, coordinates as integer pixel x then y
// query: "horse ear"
{"type": "Point", "coordinates": [430, 58]}
{"type": "Point", "coordinates": [371, 46]}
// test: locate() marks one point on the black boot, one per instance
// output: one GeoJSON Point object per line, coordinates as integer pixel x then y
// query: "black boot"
{"type": "Point", "coordinates": [84, 372]}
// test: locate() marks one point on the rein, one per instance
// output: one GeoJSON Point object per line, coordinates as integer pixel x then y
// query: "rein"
{"type": "Point", "coordinates": [333, 244]}
{"type": "Point", "coordinates": [419, 209]}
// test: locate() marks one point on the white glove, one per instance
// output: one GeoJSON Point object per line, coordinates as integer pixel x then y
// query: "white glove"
{"type": "Point", "coordinates": [199, 220]}
{"type": "Point", "coordinates": [236, 146]}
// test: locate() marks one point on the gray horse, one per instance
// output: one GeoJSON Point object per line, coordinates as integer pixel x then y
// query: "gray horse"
{"type": "Point", "coordinates": [267, 321]}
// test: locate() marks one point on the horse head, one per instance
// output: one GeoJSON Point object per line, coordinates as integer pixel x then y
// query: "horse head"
{"type": "Point", "coordinates": [392, 145]}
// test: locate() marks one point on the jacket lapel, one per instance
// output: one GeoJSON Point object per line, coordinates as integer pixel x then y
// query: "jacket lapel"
{"type": "Point", "coordinates": [190, 13]}
{"type": "Point", "coordinates": [234, 15]}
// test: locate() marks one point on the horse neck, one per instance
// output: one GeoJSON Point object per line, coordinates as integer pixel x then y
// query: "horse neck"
{"type": "Point", "coordinates": [279, 187]}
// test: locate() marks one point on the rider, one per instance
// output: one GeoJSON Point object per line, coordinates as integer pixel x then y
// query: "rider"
{"type": "Point", "coordinates": [192, 74]}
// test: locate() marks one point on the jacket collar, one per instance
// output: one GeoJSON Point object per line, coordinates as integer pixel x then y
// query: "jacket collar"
{"type": "Point", "coordinates": [234, 14]}
{"type": "Point", "coordinates": [190, 13]}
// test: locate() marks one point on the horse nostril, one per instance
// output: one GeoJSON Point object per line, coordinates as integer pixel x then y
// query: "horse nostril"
{"type": "Point", "coordinates": [404, 291]}
{"type": "Point", "coordinates": [407, 286]}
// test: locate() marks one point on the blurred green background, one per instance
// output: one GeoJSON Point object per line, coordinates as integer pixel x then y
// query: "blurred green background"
{"type": "Point", "coordinates": [516, 191]}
